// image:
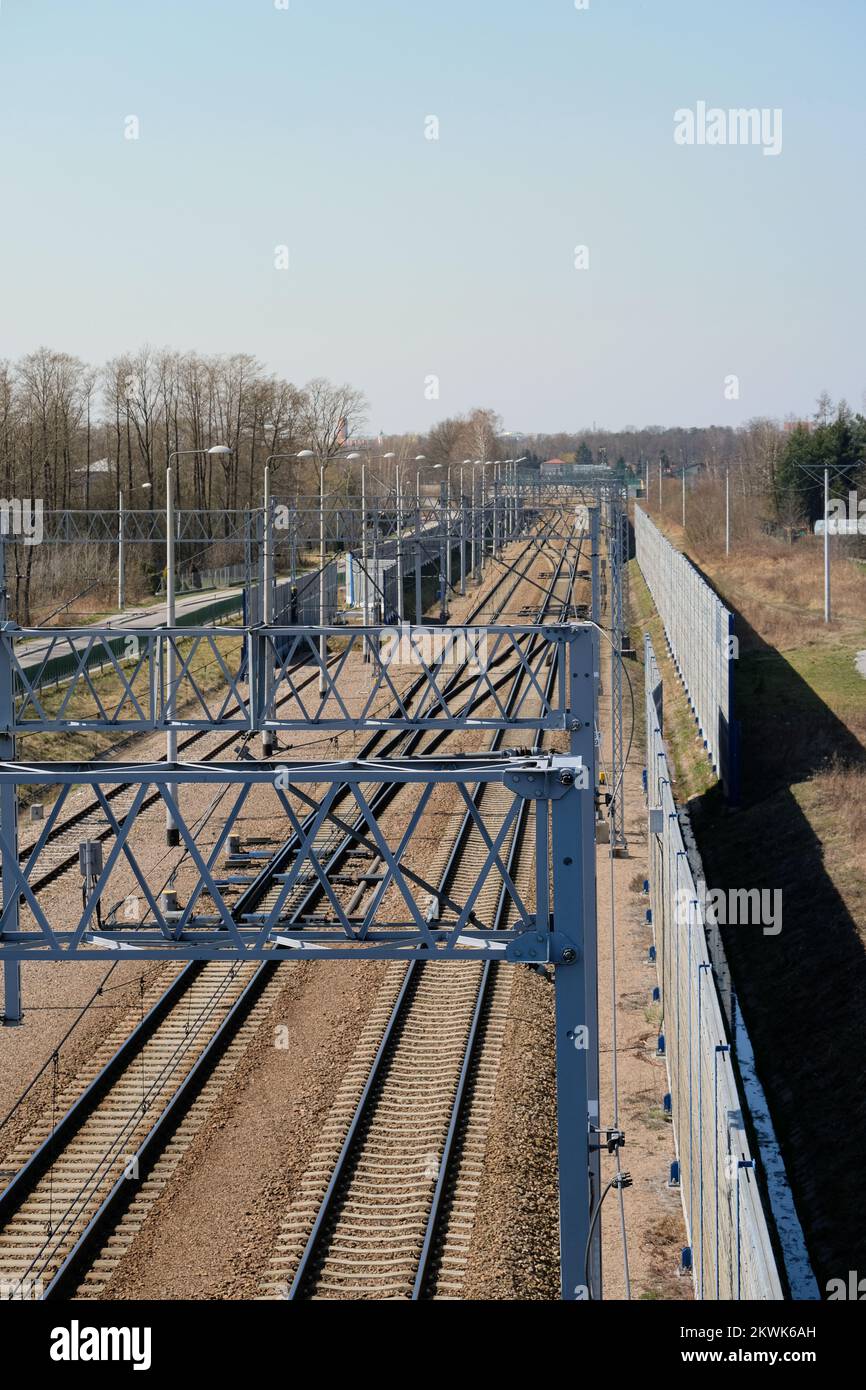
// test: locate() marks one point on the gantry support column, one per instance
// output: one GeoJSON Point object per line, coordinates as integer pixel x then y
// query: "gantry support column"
{"type": "Point", "coordinates": [12, 1013]}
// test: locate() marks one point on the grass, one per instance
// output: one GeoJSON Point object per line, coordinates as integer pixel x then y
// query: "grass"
{"type": "Point", "coordinates": [801, 829]}
{"type": "Point", "coordinates": [693, 774]}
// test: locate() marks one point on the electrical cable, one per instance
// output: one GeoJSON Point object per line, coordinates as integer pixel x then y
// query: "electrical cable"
{"type": "Point", "coordinates": [621, 1180]}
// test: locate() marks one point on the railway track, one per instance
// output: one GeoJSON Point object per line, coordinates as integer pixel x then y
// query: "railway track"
{"type": "Point", "coordinates": [77, 1200]}
{"type": "Point", "coordinates": [60, 851]}
{"type": "Point", "coordinates": [387, 1204]}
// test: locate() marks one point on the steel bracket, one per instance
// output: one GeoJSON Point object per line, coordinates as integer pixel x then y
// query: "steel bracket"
{"type": "Point", "coordinates": [536, 947]}
{"type": "Point", "coordinates": [549, 780]}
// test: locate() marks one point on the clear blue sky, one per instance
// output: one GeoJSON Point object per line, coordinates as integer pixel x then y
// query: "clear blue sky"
{"type": "Point", "coordinates": [261, 126]}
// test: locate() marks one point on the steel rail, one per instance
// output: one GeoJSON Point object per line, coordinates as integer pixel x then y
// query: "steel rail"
{"type": "Point", "coordinates": [399, 1011]}
{"type": "Point", "coordinates": [446, 1165]}
{"type": "Point", "coordinates": [83, 812]}
{"type": "Point", "coordinates": [28, 1176]}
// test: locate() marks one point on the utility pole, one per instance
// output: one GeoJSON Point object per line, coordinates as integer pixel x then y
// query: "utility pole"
{"type": "Point", "coordinates": [824, 470]}
{"type": "Point", "coordinates": [684, 497]}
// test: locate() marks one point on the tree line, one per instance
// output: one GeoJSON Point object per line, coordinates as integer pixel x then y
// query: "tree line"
{"type": "Point", "coordinates": [77, 436]}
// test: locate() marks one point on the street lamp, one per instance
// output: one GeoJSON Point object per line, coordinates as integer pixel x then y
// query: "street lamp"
{"type": "Point", "coordinates": [517, 463]}
{"type": "Point", "coordinates": [497, 477]}
{"type": "Point", "coordinates": [484, 464]}
{"type": "Point", "coordinates": [467, 463]}
{"type": "Point", "coordinates": [352, 458]}
{"type": "Point", "coordinates": [417, 460]}
{"type": "Point", "coordinates": [269, 737]}
{"type": "Point", "coordinates": [172, 835]}
{"type": "Point", "coordinates": [473, 523]}
{"type": "Point", "coordinates": [448, 542]}
{"type": "Point", "coordinates": [323, 642]}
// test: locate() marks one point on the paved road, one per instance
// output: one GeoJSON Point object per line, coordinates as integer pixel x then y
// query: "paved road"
{"type": "Point", "coordinates": [154, 615]}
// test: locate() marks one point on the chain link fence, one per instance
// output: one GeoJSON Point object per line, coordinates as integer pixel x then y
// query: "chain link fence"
{"type": "Point", "coordinates": [730, 1251]}
{"type": "Point", "coordinates": [699, 631]}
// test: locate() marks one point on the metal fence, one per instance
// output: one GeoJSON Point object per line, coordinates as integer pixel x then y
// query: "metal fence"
{"type": "Point", "coordinates": [699, 631]}
{"type": "Point", "coordinates": [729, 1242]}
{"type": "Point", "coordinates": [300, 607]}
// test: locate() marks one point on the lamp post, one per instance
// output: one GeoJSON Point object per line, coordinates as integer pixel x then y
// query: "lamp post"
{"type": "Point", "coordinates": [398, 469]}
{"type": "Point", "coordinates": [448, 557]}
{"type": "Point", "coordinates": [352, 458]}
{"type": "Point", "coordinates": [484, 467]}
{"type": "Point", "coordinates": [419, 458]}
{"type": "Point", "coordinates": [507, 499]}
{"type": "Point", "coordinates": [172, 835]}
{"type": "Point", "coordinates": [365, 578]}
{"type": "Point", "coordinates": [269, 737]}
{"type": "Point", "coordinates": [323, 641]}
{"type": "Point", "coordinates": [463, 465]}
{"type": "Point", "coordinates": [121, 593]}
{"type": "Point", "coordinates": [517, 463]}
{"type": "Point", "coordinates": [442, 567]}
{"type": "Point", "coordinates": [473, 526]}
{"type": "Point", "coordinates": [380, 581]}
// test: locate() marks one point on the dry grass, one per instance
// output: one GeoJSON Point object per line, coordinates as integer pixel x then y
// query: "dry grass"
{"type": "Point", "coordinates": [693, 774]}
{"type": "Point", "coordinates": [800, 831]}
{"type": "Point", "coordinates": [844, 788]}
{"type": "Point", "coordinates": [777, 588]}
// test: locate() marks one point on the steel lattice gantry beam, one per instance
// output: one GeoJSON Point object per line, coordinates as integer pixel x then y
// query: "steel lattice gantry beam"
{"type": "Point", "coordinates": [552, 917]}
{"type": "Point", "coordinates": [102, 527]}
{"type": "Point", "coordinates": [139, 527]}
{"type": "Point", "coordinates": [266, 677]}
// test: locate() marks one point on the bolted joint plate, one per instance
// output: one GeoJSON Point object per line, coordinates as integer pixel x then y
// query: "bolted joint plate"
{"type": "Point", "coordinates": [547, 779]}
{"type": "Point", "coordinates": [535, 947]}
